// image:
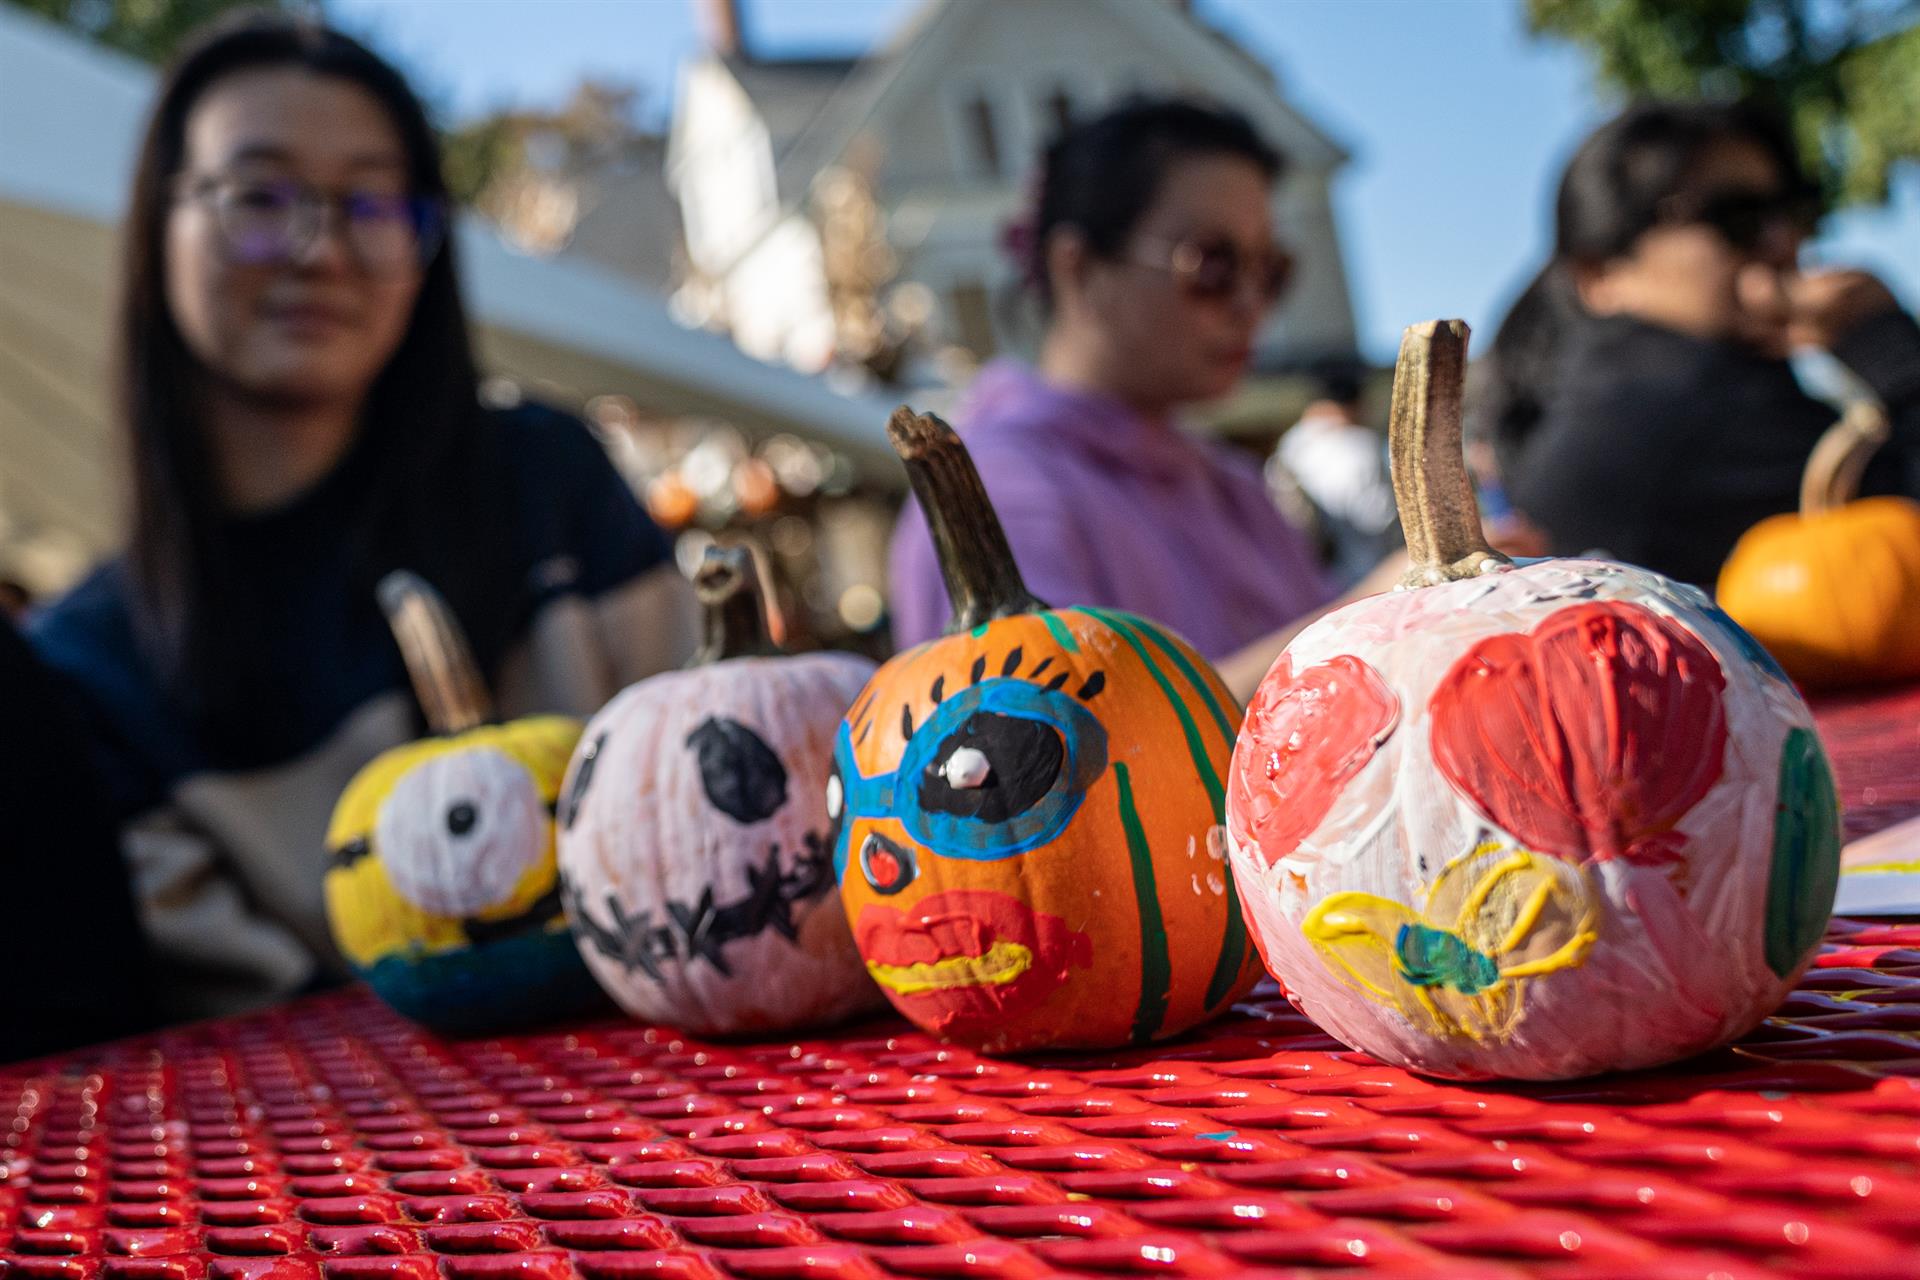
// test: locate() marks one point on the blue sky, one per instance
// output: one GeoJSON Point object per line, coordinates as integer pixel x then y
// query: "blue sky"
{"type": "Point", "coordinates": [1457, 120]}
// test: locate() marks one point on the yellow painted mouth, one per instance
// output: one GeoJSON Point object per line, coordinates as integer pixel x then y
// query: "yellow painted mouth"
{"type": "Point", "coordinates": [1003, 962]}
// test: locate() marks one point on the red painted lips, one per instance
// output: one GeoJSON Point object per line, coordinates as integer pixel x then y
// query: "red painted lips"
{"type": "Point", "coordinates": [973, 957]}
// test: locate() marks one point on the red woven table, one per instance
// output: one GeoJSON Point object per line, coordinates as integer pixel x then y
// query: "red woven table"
{"type": "Point", "coordinates": [331, 1140]}
{"type": "Point", "coordinates": [1874, 740]}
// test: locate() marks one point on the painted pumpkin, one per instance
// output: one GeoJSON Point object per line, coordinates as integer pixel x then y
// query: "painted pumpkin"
{"type": "Point", "coordinates": [1834, 591]}
{"type": "Point", "coordinates": [440, 889]}
{"type": "Point", "coordinates": [693, 841]}
{"type": "Point", "coordinates": [1028, 843]}
{"type": "Point", "coordinates": [1531, 821]}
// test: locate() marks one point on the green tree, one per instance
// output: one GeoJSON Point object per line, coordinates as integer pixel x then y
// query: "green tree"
{"type": "Point", "coordinates": [489, 159]}
{"type": "Point", "coordinates": [148, 29]}
{"type": "Point", "coordinates": [1845, 72]}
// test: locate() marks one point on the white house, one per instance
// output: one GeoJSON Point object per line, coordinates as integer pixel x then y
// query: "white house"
{"type": "Point", "coordinates": [942, 121]}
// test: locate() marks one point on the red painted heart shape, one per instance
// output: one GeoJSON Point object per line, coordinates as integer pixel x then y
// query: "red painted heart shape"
{"type": "Point", "coordinates": [1588, 737]}
{"type": "Point", "coordinates": [1304, 738]}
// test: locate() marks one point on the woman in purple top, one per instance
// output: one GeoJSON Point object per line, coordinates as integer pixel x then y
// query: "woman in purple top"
{"type": "Point", "coordinates": [1153, 253]}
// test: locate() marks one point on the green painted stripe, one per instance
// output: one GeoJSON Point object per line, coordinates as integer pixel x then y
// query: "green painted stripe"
{"type": "Point", "coordinates": [1806, 853]}
{"type": "Point", "coordinates": [1196, 747]}
{"type": "Point", "coordinates": [1233, 942]}
{"type": "Point", "coordinates": [981, 630]}
{"type": "Point", "coordinates": [1226, 724]}
{"type": "Point", "coordinates": [1063, 637]}
{"type": "Point", "coordinates": [1156, 970]}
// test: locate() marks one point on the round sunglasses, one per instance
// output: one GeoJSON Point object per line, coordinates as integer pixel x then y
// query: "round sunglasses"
{"type": "Point", "coordinates": [1217, 270]}
{"type": "Point", "coordinates": [275, 220]}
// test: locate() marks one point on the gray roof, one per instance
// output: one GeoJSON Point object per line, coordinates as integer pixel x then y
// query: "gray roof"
{"type": "Point", "coordinates": [789, 93]}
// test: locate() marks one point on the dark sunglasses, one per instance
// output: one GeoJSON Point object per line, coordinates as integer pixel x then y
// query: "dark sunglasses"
{"type": "Point", "coordinates": [1742, 218]}
{"type": "Point", "coordinates": [1218, 270]}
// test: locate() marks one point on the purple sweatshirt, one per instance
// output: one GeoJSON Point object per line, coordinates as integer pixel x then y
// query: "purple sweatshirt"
{"type": "Point", "coordinates": [1103, 507]}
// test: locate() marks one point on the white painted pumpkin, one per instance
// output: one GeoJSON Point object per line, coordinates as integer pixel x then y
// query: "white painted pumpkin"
{"type": "Point", "coordinates": [694, 853]}
{"type": "Point", "coordinates": [1531, 821]}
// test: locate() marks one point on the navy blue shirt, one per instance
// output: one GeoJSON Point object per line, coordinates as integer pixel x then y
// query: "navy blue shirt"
{"type": "Point", "coordinates": [573, 527]}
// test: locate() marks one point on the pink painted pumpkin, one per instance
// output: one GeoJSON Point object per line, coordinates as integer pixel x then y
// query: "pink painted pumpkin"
{"type": "Point", "coordinates": [694, 858]}
{"type": "Point", "coordinates": [1530, 821]}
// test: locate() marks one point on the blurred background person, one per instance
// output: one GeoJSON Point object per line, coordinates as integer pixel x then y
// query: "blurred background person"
{"type": "Point", "coordinates": [1340, 464]}
{"type": "Point", "coordinates": [302, 417]}
{"type": "Point", "coordinates": [76, 962]}
{"type": "Point", "coordinates": [1639, 397]}
{"type": "Point", "coordinates": [1152, 251]}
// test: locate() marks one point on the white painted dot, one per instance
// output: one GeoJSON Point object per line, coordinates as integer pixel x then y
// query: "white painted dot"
{"type": "Point", "coordinates": [836, 797]}
{"type": "Point", "coordinates": [966, 769]}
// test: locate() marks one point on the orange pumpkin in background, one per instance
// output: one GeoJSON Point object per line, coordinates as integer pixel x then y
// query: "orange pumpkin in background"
{"type": "Point", "coordinates": [1027, 810]}
{"type": "Point", "coordinates": [1833, 591]}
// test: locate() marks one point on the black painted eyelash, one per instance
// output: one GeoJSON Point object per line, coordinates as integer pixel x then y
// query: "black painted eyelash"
{"type": "Point", "coordinates": [937, 692]}
{"type": "Point", "coordinates": [352, 851]}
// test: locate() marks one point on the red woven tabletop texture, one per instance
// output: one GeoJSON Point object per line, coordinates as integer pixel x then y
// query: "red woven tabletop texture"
{"type": "Point", "coordinates": [332, 1140]}
{"type": "Point", "coordinates": [1874, 740]}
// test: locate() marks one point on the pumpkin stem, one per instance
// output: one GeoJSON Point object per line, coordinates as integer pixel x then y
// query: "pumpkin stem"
{"type": "Point", "coordinates": [1430, 483]}
{"type": "Point", "coordinates": [982, 579]}
{"type": "Point", "coordinates": [452, 696]}
{"type": "Point", "coordinates": [1840, 457]}
{"type": "Point", "coordinates": [728, 585]}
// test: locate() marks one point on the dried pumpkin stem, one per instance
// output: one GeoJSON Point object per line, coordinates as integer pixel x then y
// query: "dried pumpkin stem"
{"type": "Point", "coordinates": [445, 680]}
{"type": "Point", "coordinates": [728, 585]}
{"type": "Point", "coordinates": [1839, 459]}
{"type": "Point", "coordinates": [1437, 507]}
{"type": "Point", "coordinates": [982, 579]}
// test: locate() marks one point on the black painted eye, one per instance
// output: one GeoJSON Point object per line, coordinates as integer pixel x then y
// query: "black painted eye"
{"type": "Point", "coordinates": [742, 777]}
{"type": "Point", "coordinates": [582, 778]}
{"type": "Point", "coordinates": [992, 767]}
{"type": "Point", "coordinates": [888, 866]}
{"type": "Point", "coordinates": [461, 817]}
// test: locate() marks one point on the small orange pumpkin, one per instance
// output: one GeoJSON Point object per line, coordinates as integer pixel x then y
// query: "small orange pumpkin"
{"type": "Point", "coordinates": [1833, 591]}
{"type": "Point", "coordinates": [1027, 809]}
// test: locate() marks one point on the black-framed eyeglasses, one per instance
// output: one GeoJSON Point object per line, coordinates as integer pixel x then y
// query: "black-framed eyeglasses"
{"type": "Point", "coordinates": [1217, 270]}
{"type": "Point", "coordinates": [271, 220]}
{"type": "Point", "coordinates": [1743, 218]}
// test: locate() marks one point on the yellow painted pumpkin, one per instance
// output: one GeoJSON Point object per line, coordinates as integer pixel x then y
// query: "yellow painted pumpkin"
{"type": "Point", "coordinates": [1027, 810]}
{"type": "Point", "coordinates": [1833, 591]}
{"type": "Point", "coordinates": [441, 887]}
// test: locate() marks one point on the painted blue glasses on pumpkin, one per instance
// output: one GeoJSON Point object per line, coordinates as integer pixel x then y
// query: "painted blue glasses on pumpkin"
{"type": "Point", "coordinates": [997, 769]}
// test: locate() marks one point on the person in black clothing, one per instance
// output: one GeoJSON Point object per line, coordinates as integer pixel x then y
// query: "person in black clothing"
{"type": "Point", "coordinates": [1638, 393]}
{"type": "Point", "coordinates": [75, 962]}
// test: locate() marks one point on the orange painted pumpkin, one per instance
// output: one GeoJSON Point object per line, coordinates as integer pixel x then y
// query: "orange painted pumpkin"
{"type": "Point", "coordinates": [1027, 810]}
{"type": "Point", "coordinates": [1833, 591]}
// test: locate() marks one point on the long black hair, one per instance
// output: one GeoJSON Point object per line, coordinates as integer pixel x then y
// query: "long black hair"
{"type": "Point", "coordinates": [417, 438]}
{"type": "Point", "coordinates": [1614, 190]}
{"type": "Point", "coordinates": [1100, 176]}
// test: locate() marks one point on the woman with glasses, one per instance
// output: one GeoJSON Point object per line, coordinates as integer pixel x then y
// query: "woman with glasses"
{"type": "Point", "coordinates": [302, 418]}
{"type": "Point", "coordinates": [1639, 395]}
{"type": "Point", "coordinates": [1151, 248]}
